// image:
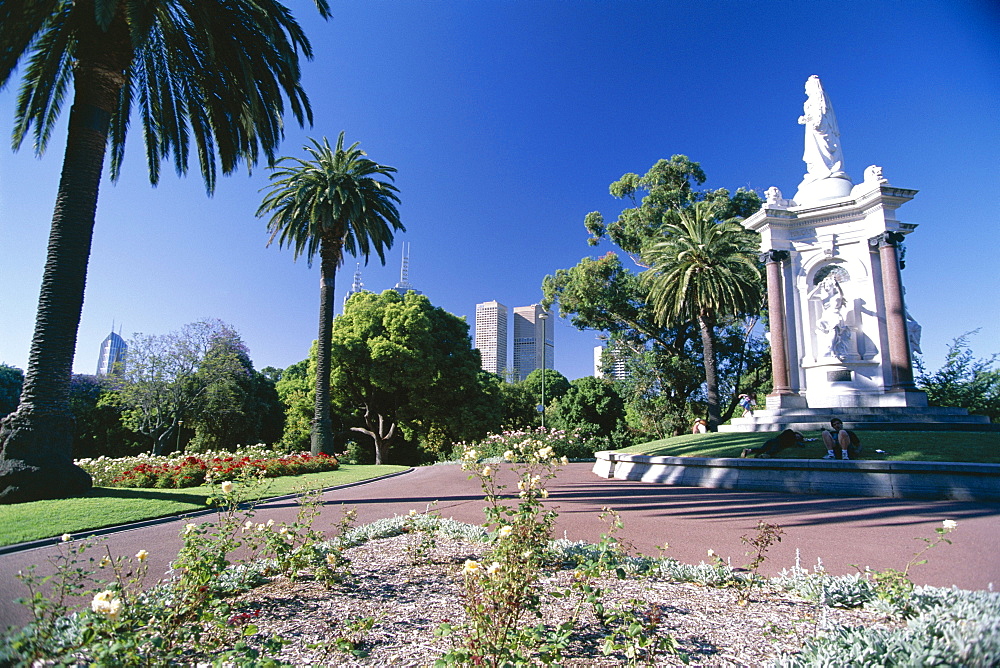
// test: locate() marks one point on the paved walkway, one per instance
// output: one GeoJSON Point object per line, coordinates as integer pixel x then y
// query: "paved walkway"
{"type": "Point", "coordinates": [880, 533]}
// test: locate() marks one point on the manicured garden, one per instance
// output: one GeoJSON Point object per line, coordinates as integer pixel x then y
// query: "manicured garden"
{"type": "Point", "coordinates": [515, 595]}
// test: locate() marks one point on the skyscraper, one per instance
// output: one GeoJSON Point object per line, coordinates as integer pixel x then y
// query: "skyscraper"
{"type": "Point", "coordinates": [404, 285]}
{"type": "Point", "coordinates": [356, 287]}
{"type": "Point", "coordinates": [113, 351]}
{"type": "Point", "coordinates": [532, 350]}
{"type": "Point", "coordinates": [491, 336]}
{"type": "Point", "coordinates": [615, 363]}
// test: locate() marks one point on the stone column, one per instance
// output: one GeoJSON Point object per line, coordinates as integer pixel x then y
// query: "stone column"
{"type": "Point", "coordinates": [895, 313]}
{"type": "Point", "coordinates": [776, 313]}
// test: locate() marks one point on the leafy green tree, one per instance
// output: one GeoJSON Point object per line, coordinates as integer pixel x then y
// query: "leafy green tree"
{"type": "Point", "coordinates": [517, 406]}
{"type": "Point", "coordinates": [11, 380]}
{"type": "Point", "coordinates": [556, 385]}
{"type": "Point", "coordinates": [98, 420]}
{"type": "Point", "coordinates": [169, 379]}
{"type": "Point", "coordinates": [602, 294]}
{"type": "Point", "coordinates": [963, 381]}
{"type": "Point", "coordinates": [331, 204]}
{"type": "Point", "coordinates": [403, 365]}
{"type": "Point", "coordinates": [297, 391]}
{"type": "Point", "coordinates": [213, 73]}
{"type": "Point", "coordinates": [591, 406]}
{"type": "Point", "coordinates": [703, 271]}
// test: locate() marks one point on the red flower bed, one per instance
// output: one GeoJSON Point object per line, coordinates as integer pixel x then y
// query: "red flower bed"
{"type": "Point", "coordinates": [192, 471]}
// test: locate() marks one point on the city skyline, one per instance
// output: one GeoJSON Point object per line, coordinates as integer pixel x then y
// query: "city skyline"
{"type": "Point", "coordinates": [507, 123]}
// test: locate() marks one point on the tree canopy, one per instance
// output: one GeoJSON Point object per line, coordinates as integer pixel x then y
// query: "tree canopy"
{"type": "Point", "coordinates": [213, 74]}
{"type": "Point", "coordinates": [338, 201]}
{"type": "Point", "coordinates": [202, 377]}
{"type": "Point", "coordinates": [400, 364]}
{"type": "Point", "coordinates": [665, 361]}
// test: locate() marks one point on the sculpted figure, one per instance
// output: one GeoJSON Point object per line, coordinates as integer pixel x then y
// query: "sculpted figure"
{"type": "Point", "coordinates": [873, 174]}
{"type": "Point", "coordinates": [832, 333]}
{"type": "Point", "coordinates": [823, 155]}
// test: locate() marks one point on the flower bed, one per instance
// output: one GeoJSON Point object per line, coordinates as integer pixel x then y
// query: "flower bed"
{"type": "Point", "coordinates": [186, 470]}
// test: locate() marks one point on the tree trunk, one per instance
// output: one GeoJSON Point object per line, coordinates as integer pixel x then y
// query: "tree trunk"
{"type": "Point", "coordinates": [379, 434]}
{"type": "Point", "coordinates": [37, 439]}
{"type": "Point", "coordinates": [322, 426]}
{"type": "Point", "coordinates": [711, 374]}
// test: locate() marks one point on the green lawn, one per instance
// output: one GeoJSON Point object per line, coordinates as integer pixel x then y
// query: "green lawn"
{"type": "Point", "coordinates": [109, 506]}
{"type": "Point", "coordinates": [926, 446]}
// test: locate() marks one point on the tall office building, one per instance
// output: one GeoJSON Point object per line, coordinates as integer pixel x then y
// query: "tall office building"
{"type": "Point", "coordinates": [113, 351]}
{"type": "Point", "coordinates": [404, 285]}
{"type": "Point", "coordinates": [356, 287]}
{"type": "Point", "coordinates": [602, 369]}
{"type": "Point", "coordinates": [491, 336]}
{"type": "Point", "coordinates": [532, 349]}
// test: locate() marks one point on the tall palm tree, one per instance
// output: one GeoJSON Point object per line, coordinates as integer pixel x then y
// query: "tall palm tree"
{"type": "Point", "coordinates": [703, 271]}
{"type": "Point", "coordinates": [328, 205]}
{"type": "Point", "coordinates": [215, 72]}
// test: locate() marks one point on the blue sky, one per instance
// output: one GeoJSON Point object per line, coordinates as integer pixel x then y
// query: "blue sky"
{"type": "Point", "coordinates": [507, 122]}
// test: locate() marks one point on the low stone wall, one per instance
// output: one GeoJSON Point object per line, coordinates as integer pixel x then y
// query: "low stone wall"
{"type": "Point", "coordinates": [911, 480]}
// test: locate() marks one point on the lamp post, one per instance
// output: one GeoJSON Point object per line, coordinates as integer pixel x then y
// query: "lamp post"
{"type": "Point", "coordinates": [543, 316]}
{"type": "Point", "coordinates": [180, 423]}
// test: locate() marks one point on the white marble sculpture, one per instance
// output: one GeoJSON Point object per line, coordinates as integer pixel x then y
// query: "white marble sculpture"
{"type": "Point", "coordinates": [832, 333]}
{"type": "Point", "coordinates": [825, 176]}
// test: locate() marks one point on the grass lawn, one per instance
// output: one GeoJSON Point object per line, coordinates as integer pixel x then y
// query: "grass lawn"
{"type": "Point", "coordinates": [925, 446]}
{"type": "Point", "coordinates": [111, 506]}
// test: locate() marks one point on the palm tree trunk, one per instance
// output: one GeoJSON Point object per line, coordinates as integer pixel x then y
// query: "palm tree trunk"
{"type": "Point", "coordinates": [711, 374]}
{"type": "Point", "coordinates": [322, 426]}
{"type": "Point", "coordinates": [37, 439]}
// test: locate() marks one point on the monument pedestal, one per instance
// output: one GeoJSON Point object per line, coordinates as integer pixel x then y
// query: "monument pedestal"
{"type": "Point", "coordinates": [841, 337]}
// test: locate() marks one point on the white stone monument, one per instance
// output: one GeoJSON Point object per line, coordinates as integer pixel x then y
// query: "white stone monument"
{"type": "Point", "coordinates": [841, 337]}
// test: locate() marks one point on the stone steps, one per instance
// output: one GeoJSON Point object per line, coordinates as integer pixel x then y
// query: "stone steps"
{"type": "Point", "coordinates": [930, 418]}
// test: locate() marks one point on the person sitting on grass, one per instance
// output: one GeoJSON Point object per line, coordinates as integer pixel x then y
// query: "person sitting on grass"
{"type": "Point", "coordinates": [783, 441]}
{"type": "Point", "coordinates": [840, 443]}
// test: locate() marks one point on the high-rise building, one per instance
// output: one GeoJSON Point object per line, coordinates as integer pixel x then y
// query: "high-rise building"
{"type": "Point", "coordinates": [491, 336]}
{"type": "Point", "coordinates": [357, 286]}
{"type": "Point", "coordinates": [534, 340]}
{"type": "Point", "coordinates": [112, 355]}
{"type": "Point", "coordinates": [616, 370]}
{"type": "Point", "coordinates": [404, 285]}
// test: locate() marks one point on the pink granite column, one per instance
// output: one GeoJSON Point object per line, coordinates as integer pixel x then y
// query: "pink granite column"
{"type": "Point", "coordinates": [776, 314]}
{"type": "Point", "coordinates": [895, 313]}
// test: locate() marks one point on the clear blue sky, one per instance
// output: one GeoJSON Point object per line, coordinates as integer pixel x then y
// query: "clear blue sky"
{"type": "Point", "coordinates": [508, 120]}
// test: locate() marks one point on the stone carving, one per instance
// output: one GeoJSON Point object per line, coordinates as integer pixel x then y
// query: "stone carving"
{"type": "Point", "coordinates": [823, 155]}
{"type": "Point", "coordinates": [873, 175]}
{"type": "Point", "coordinates": [833, 335]}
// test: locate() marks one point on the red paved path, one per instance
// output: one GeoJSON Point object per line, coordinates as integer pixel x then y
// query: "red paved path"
{"type": "Point", "coordinates": [880, 533]}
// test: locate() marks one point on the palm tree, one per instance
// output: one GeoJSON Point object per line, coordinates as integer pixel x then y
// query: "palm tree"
{"type": "Point", "coordinates": [703, 271]}
{"type": "Point", "coordinates": [328, 205]}
{"type": "Point", "coordinates": [215, 72]}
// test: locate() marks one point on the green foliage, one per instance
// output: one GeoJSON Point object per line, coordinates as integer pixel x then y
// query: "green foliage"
{"type": "Point", "coordinates": [963, 381]}
{"type": "Point", "coordinates": [401, 364]}
{"type": "Point", "coordinates": [512, 445]}
{"type": "Point", "coordinates": [11, 380]}
{"type": "Point", "coordinates": [501, 591]}
{"type": "Point", "coordinates": [954, 628]}
{"type": "Point", "coordinates": [98, 428]}
{"type": "Point", "coordinates": [297, 391]}
{"type": "Point", "coordinates": [556, 385]}
{"type": "Point", "coordinates": [667, 362]}
{"type": "Point", "coordinates": [334, 203]}
{"type": "Point", "coordinates": [202, 377]}
{"type": "Point", "coordinates": [704, 271]}
{"type": "Point", "coordinates": [591, 407]}
{"type": "Point", "coordinates": [517, 406]}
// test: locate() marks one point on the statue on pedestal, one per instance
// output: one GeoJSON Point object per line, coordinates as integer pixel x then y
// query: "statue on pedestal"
{"type": "Point", "coordinates": [822, 154]}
